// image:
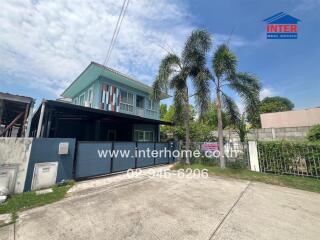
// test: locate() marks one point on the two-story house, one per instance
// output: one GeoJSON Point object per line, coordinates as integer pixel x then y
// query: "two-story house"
{"type": "Point", "coordinates": [101, 104]}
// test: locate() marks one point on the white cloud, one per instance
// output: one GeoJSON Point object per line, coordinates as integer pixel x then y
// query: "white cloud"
{"type": "Point", "coordinates": [232, 39]}
{"type": "Point", "coordinates": [267, 92]}
{"type": "Point", "coordinates": [46, 44]}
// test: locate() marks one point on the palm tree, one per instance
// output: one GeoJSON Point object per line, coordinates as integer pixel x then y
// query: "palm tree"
{"type": "Point", "coordinates": [174, 73]}
{"type": "Point", "coordinates": [247, 86]}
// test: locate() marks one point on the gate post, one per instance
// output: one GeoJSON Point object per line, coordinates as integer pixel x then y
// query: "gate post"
{"type": "Point", "coordinates": [136, 157]}
{"type": "Point", "coordinates": [111, 162]}
{"type": "Point", "coordinates": [253, 156]}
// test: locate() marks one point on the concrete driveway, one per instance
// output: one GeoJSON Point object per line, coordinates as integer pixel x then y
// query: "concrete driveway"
{"type": "Point", "coordinates": [173, 208]}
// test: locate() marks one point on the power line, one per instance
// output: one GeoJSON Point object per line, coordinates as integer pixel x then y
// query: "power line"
{"type": "Point", "coordinates": [116, 31]}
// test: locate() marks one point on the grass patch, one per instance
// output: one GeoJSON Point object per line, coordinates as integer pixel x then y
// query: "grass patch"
{"type": "Point", "coordinates": [303, 183]}
{"type": "Point", "coordinates": [28, 200]}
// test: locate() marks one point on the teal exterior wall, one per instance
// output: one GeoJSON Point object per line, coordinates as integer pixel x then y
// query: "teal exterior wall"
{"type": "Point", "coordinates": [95, 101]}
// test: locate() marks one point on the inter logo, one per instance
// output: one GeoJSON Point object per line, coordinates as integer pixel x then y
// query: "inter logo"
{"type": "Point", "coordinates": [282, 26]}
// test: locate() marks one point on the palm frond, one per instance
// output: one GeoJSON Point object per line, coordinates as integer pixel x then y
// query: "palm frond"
{"type": "Point", "coordinates": [201, 85]}
{"type": "Point", "coordinates": [249, 80]}
{"type": "Point", "coordinates": [195, 49]}
{"type": "Point", "coordinates": [167, 67]}
{"type": "Point", "coordinates": [231, 109]}
{"type": "Point", "coordinates": [224, 62]}
{"type": "Point", "coordinates": [248, 94]}
{"type": "Point", "coordinates": [178, 82]}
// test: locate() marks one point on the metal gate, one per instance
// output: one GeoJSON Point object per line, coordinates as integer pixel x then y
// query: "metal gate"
{"type": "Point", "coordinates": [101, 158]}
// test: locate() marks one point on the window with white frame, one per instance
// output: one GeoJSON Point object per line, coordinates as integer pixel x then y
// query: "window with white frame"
{"type": "Point", "coordinates": [85, 98]}
{"type": "Point", "coordinates": [126, 103]}
{"type": "Point", "coordinates": [150, 104]}
{"type": "Point", "coordinates": [144, 136]}
{"type": "Point", "coordinates": [81, 99]}
{"type": "Point", "coordinates": [89, 97]}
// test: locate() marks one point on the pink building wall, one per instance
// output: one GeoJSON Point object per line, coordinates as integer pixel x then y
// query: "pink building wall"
{"type": "Point", "coordinates": [297, 118]}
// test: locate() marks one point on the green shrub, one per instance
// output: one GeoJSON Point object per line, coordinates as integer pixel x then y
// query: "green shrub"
{"type": "Point", "coordinates": [314, 133]}
{"type": "Point", "coordinates": [236, 165]}
{"type": "Point", "coordinates": [284, 157]}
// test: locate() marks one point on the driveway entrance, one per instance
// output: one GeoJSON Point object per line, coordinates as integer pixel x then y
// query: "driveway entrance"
{"type": "Point", "coordinates": [147, 207]}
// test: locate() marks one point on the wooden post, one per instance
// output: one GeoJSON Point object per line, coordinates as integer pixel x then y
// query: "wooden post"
{"type": "Point", "coordinates": [23, 124]}
{"type": "Point", "coordinates": [11, 124]}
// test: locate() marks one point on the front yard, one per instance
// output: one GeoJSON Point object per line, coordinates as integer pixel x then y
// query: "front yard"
{"type": "Point", "coordinates": [29, 200]}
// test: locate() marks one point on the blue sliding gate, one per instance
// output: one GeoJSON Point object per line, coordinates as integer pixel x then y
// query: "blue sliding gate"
{"type": "Point", "coordinates": [100, 158]}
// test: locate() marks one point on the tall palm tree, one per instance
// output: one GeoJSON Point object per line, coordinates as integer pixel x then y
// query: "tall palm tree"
{"type": "Point", "coordinates": [247, 86]}
{"type": "Point", "coordinates": [175, 71]}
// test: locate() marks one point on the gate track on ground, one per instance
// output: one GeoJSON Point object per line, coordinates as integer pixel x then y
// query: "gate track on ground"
{"type": "Point", "coordinates": [217, 228]}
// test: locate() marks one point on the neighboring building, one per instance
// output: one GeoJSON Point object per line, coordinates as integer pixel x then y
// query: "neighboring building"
{"type": "Point", "coordinates": [15, 115]}
{"type": "Point", "coordinates": [101, 105]}
{"type": "Point", "coordinates": [296, 118]}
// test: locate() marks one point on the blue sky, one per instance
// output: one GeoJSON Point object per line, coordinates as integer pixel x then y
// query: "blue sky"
{"type": "Point", "coordinates": [44, 45]}
{"type": "Point", "coordinates": [285, 67]}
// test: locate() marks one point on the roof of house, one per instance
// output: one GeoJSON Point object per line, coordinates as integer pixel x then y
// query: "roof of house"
{"type": "Point", "coordinates": [95, 70]}
{"type": "Point", "coordinates": [281, 18]}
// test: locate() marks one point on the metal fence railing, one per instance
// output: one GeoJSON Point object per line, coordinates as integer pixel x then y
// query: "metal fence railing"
{"type": "Point", "coordinates": [236, 153]}
{"type": "Point", "coordinates": [290, 158]}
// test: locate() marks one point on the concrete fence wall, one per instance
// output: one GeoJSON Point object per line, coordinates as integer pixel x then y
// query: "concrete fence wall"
{"type": "Point", "coordinates": [14, 161]}
{"type": "Point", "coordinates": [265, 134]}
{"type": "Point", "coordinates": [18, 157]}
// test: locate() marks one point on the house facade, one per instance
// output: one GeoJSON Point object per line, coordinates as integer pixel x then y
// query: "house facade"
{"type": "Point", "coordinates": [103, 88]}
{"type": "Point", "coordinates": [106, 105]}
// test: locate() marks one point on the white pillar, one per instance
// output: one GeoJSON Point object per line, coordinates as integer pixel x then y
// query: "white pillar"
{"type": "Point", "coordinates": [29, 119]}
{"type": "Point", "coordinates": [253, 155]}
{"type": "Point", "coordinates": [40, 120]}
{"type": "Point", "coordinates": [273, 133]}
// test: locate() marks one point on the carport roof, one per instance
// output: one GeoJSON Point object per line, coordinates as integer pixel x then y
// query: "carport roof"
{"type": "Point", "coordinates": [88, 110]}
{"type": "Point", "coordinates": [11, 105]}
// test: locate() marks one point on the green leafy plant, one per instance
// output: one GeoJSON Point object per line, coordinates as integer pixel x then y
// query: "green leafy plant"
{"type": "Point", "coordinates": [286, 157]}
{"type": "Point", "coordinates": [314, 134]}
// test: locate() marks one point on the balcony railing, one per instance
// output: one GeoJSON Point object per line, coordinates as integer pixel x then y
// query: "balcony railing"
{"type": "Point", "coordinates": [141, 112]}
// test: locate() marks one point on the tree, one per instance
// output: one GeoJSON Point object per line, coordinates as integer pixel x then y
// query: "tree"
{"type": "Point", "coordinates": [200, 129]}
{"type": "Point", "coordinates": [175, 71]}
{"type": "Point", "coordinates": [254, 119]}
{"type": "Point", "coordinates": [163, 110]}
{"type": "Point", "coordinates": [275, 104]}
{"type": "Point", "coordinates": [211, 117]}
{"type": "Point", "coordinates": [268, 105]}
{"type": "Point", "coordinates": [241, 128]}
{"type": "Point", "coordinates": [247, 86]}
